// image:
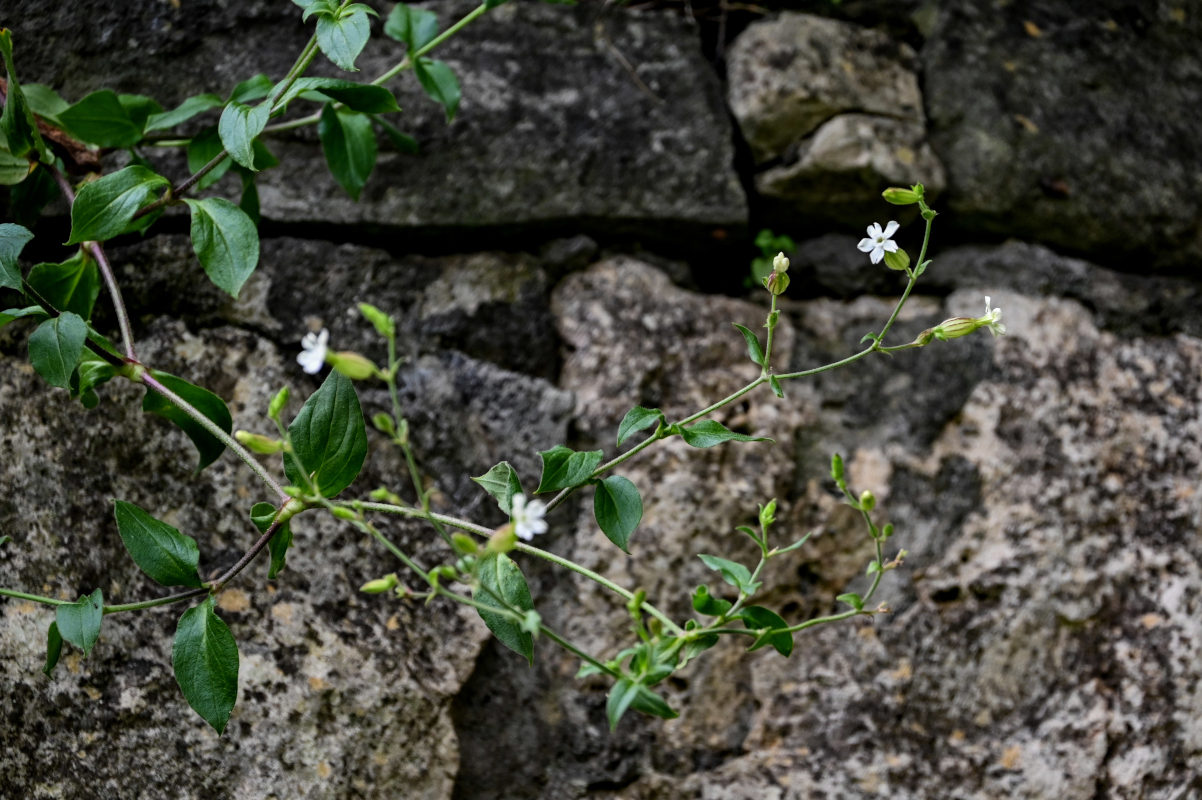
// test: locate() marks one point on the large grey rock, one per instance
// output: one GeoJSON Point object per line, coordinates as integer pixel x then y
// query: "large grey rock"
{"type": "Point", "coordinates": [565, 115]}
{"type": "Point", "coordinates": [832, 113]}
{"type": "Point", "coordinates": [1072, 125]}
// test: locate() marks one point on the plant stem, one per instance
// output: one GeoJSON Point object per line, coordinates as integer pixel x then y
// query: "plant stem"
{"type": "Point", "coordinates": [229, 441]}
{"type": "Point", "coordinates": [106, 271]}
{"type": "Point", "coordinates": [417, 513]}
{"type": "Point", "coordinates": [160, 601]}
{"type": "Point", "coordinates": [37, 598]}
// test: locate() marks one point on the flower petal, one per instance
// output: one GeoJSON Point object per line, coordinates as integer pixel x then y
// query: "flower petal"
{"type": "Point", "coordinates": [865, 245]}
{"type": "Point", "coordinates": [889, 246]}
{"type": "Point", "coordinates": [874, 230]}
{"type": "Point", "coordinates": [891, 228]}
{"type": "Point", "coordinates": [877, 255]}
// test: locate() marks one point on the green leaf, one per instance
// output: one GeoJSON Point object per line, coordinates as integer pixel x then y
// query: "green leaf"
{"type": "Point", "coordinates": [349, 145]}
{"type": "Point", "coordinates": [249, 201]}
{"type": "Point", "coordinates": [253, 88]}
{"type": "Point", "coordinates": [710, 432]}
{"type": "Point", "coordinates": [502, 483]}
{"type": "Point", "coordinates": [101, 119]}
{"type": "Point", "coordinates": [637, 419]}
{"type": "Point", "coordinates": [30, 196]}
{"type": "Point", "coordinates": [44, 101]}
{"type": "Point", "coordinates": [263, 514]}
{"type": "Point", "coordinates": [774, 382]}
{"type": "Point", "coordinates": [13, 239]}
{"type": "Point", "coordinates": [189, 108]}
{"type": "Point", "coordinates": [402, 141]}
{"type": "Point", "coordinates": [105, 207]}
{"type": "Point", "coordinates": [732, 572]}
{"type": "Point", "coordinates": [10, 314]}
{"type": "Point", "coordinates": [17, 124]}
{"type": "Point", "coordinates": [651, 703]}
{"type": "Point", "coordinates": [753, 345]}
{"type": "Point", "coordinates": [79, 622]}
{"type": "Point", "coordinates": [852, 599]}
{"type": "Point", "coordinates": [166, 555]}
{"type": "Point", "coordinates": [758, 617]}
{"type": "Point", "coordinates": [356, 96]}
{"type": "Point", "coordinates": [54, 647]}
{"type": "Point", "coordinates": [91, 372]}
{"type": "Point", "coordinates": [139, 107]}
{"type": "Point", "coordinates": [72, 285]}
{"type": "Point", "coordinates": [208, 446]}
{"type": "Point", "coordinates": [238, 127]}
{"type": "Point", "coordinates": [203, 148]}
{"type": "Point", "coordinates": [564, 467]}
{"type": "Point", "coordinates": [415, 27]}
{"type": "Point", "coordinates": [439, 83]}
{"type": "Point", "coordinates": [620, 698]}
{"type": "Point", "coordinates": [13, 169]}
{"type": "Point", "coordinates": [618, 509]}
{"type": "Point", "coordinates": [501, 578]}
{"type": "Point", "coordinates": [55, 347]}
{"type": "Point", "coordinates": [329, 438]}
{"type": "Point", "coordinates": [225, 240]}
{"type": "Point", "coordinates": [205, 659]}
{"type": "Point", "coordinates": [706, 603]}
{"type": "Point", "coordinates": [343, 38]}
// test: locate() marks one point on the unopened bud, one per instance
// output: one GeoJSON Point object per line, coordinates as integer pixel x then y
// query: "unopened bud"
{"type": "Point", "coordinates": [780, 263]}
{"type": "Point", "coordinates": [898, 260]}
{"type": "Point", "coordinates": [258, 443]}
{"type": "Point", "coordinates": [955, 327]}
{"type": "Point", "coordinates": [768, 513]}
{"type": "Point", "coordinates": [383, 423]}
{"type": "Point", "coordinates": [342, 512]}
{"type": "Point", "coordinates": [380, 585]}
{"type": "Point", "coordinates": [867, 500]}
{"type": "Point", "coordinates": [777, 282]}
{"type": "Point", "coordinates": [381, 321]}
{"type": "Point", "coordinates": [503, 539]}
{"type": "Point", "coordinates": [836, 467]}
{"type": "Point", "coordinates": [384, 495]}
{"type": "Point", "coordinates": [277, 403]}
{"type": "Point", "coordinates": [463, 544]}
{"type": "Point", "coordinates": [352, 365]}
{"type": "Point", "coordinates": [903, 197]}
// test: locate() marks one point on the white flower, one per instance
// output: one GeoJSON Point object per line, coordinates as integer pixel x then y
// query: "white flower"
{"type": "Point", "coordinates": [528, 519]}
{"type": "Point", "coordinates": [993, 320]}
{"type": "Point", "coordinates": [313, 353]}
{"type": "Point", "coordinates": [878, 242]}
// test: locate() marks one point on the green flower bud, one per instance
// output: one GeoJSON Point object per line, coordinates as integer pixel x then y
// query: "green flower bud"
{"type": "Point", "coordinates": [777, 282]}
{"type": "Point", "coordinates": [956, 327]}
{"type": "Point", "coordinates": [463, 544]}
{"type": "Point", "coordinates": [383, 423]}
{"type": "Point", "coordinates": [380, 585]}
{"type": "Point", "coordinates": [836, 468]}
{"type": "Point", "coordinates": [344, 513]}
{"type": "Point", "coordinates": [258, 443]}
{"type": "Point", "coordinates": [768, 513]}
{"type": "Point", "coordinates": [503, 539]}
{"type": "Point", "coordinates": [867, 500]}
{"type": "Point", "coordinates": [382, 322]}
{"type": "Point", "coordinates": [277, 403]}
{"type": "Point", "coordinates": [384, 495]}
{"type": "Point", "coordinates": [898, 260]}
{"type": "Point", "coordinates": [902, 197]}
{"type": "Point", "coordinates": [352, 365]}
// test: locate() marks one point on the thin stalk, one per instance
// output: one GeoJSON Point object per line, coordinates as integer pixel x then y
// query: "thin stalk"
{"type": "Point", "coordinates": [106, 271]}
{"type": "Point", "coordinates": [766, 368]}
{"type": "Point", "coordinates": [37, 598]}
{"type": "Point", "coordinates": [396, 551]}
{"type": "Point", "coordinates": [417, 513]}
{"type": "Point", "coordinates": [160, 601]}
{"type": "Point", "coordinates": [229, 441]}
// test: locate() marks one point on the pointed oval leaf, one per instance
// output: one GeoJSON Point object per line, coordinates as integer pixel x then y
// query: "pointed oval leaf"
{"type": "Point", "coordinates": [103, 208]}
{"type": "Point", "coordinates": [349, 145]}
{"type": "Point", "coordinates": [72, 285]}
{"type": "Point", "coordinates": [753, 345]}
{"type": "Point", "coordinates": [440, 84]}
{"type": "Point", "coordinates": [55, 346]}
{"type": "Point", "coordinates": [757, 618]}
{"type": "Point", "coordinates": [205, 659]}
{"type": "Point", "coordinates": [343, 38]}
{"type": "Point", "coordinates": [619, 700]}
{"type": "Point", "coordinates": [564, 467]}
{"type": "Point", "coordinates": [203, 148]}
{"type": "Point", "coordinates": [637, 419]}
{"type": "Point", "coordinates": [13, 239]}
{"type": "Point", "coordinates": [17, 125]}
{"type": "Point", "coordinates": [502, 483]}
{"type": "Point", "coordinates": [263, 514]}
{"type": "Point", "coordinates": [189, 108]}
{"type": "Point", "coordinates": [502, 584]}
{"type": "Point", "coordinates": [651, 703]}
{"type": "Point", "coordinates": [208, 446]}
{"type": "Point", "coordinates": [225, 240]}
{"type": "Point", "coordinates": [710, 432]}
{"type": "Point", "coordinates": [732, 572]}
{"type": "Point", "coordinates": [238, 127]}
{"type": "Point", "coordinates": [101, 119]}
{"type": "Point", "coordinates": [618, 508]}
{"type": "Point", "coordinates": [79, 622]}
{"type": "Point", "coordinates": [166, 555]}
{"type": "Point", "coordinates": [329, 438]}
{"type": "Point", "coordinates": [54, 648]}
{"type": "Point", "coordinates": [415, 27]}
{"type": "Point", "coordinates": [356, 96]}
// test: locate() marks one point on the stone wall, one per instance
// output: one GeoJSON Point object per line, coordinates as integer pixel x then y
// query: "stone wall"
{"type": "Point", "coordinates": [574, 244]}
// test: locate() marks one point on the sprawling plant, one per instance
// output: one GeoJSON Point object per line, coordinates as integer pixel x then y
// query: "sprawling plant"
{"type": "Point", "coordinates": [49, 146]}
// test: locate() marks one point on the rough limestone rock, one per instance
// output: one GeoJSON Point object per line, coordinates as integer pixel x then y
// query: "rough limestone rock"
{"type": "Point", "coordinates": [832, 113]}
{"type": "Point", "coordinates": [1069, 125]}
{"type": "Point", "coordinates": [565, 115]}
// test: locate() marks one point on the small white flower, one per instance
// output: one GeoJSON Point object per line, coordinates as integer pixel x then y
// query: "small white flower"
{"type": "Point", "coordinates": [528, 518]}
{"type": "Point", "coordinates": [878, 242]}
{"type": "Point", "coordinates": [993, 319]}
{"type": "Point", "coordinates": [313, 353]}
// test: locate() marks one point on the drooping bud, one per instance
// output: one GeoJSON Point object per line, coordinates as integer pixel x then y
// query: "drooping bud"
{"type": "Point", "coordinates": [258, 443]}
{"type": "Point", "coordinates": [352, 365]}
{"type": "Point", "coordinates": [380, 585]}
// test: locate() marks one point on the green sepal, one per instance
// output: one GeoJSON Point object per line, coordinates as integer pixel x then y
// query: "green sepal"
{"type": "Point", "coordinates": [710, 432]}
{"type": "Point", "coordinates": [204, 657]}
{"type": "Point", "coordinates": [618, 509]}
{"type": "Point", "coordinates": [500, 577]}
{"type": "Point", "coordinates": [105, 207]}
{"type": "Point", "coordinates": [753, 345]}
{"type": "Point", "coordinates": [564, 468]}
{"type": "Point", "coordinates": [169, 557]}
{"type": "Point", "coordinates": [757, 618]}
{"type": "Point", "coordinates": [328, 437]}
{"type": "Point", "coordinates": [208, 446]}
{"type": "Point", "coordinates": [79, 622]}
{"type": "Point", "coordinates": [637, 419]}
{"type": "Point", "coordinates": [502, 483]}
{"type": "Point", "coordinates": [262, 515]}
